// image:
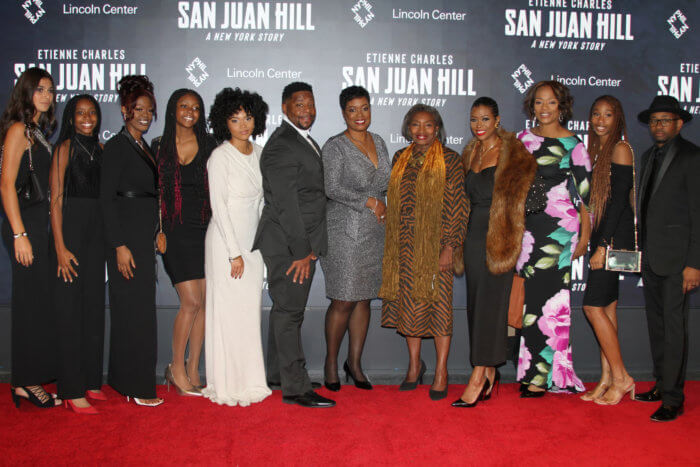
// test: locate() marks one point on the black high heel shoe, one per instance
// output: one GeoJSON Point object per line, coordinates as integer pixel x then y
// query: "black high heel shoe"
{"type": "Point", "coordinates": [358, 384]}
{"type": "Point", "coordinates": [335, 387]}
{"type": "Point", "coordinates": [525, 393]}
{"type": "Point", "coordinates": [438, 395]}
{"type": "Point", "coordinates": [482, 396]}
{"type": "Point", "coordinates": [36, 395]}
{"type": "Point", "coordinates": [494, 385]}
{"type": "Point", "coordinates": [411, 385]}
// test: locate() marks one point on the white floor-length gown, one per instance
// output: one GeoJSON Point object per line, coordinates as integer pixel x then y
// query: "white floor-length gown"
{"type": "Point", "coordinates": [233, 344]}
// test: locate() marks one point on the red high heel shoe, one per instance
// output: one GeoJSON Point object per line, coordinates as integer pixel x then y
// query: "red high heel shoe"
{"type": "Point", "coordinates": [80, 410]}
{"type": "Point", "coordinates": [97, 395]}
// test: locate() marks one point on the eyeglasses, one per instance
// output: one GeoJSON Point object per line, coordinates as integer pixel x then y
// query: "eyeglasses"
{"type": "Point", "coordinates": [663, 121]}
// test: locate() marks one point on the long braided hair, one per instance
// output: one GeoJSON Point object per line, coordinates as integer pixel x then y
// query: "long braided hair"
{"type": "Point", "coordinates": [602, 155]}
{"type": "Point", "coordinates": [169, 178]}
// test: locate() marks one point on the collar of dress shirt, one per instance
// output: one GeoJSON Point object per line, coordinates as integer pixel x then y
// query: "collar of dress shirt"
{"type": "Point", "coordinates": [304, 133]}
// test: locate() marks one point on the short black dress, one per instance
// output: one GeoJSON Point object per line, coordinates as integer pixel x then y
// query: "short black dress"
{"type": "Point", "coordinates": [184, 255]}
{"type": "Point", "coordinates": [617, 228]}
{"type": "Point", "coordinates": [487, 294]}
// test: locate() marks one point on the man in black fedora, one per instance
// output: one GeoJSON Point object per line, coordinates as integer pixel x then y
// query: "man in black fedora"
{"type": "Point", "coordinates": [669, 198]}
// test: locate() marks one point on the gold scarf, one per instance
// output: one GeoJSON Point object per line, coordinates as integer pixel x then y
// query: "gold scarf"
{"type": "Point", "coordinates": [430, 186]}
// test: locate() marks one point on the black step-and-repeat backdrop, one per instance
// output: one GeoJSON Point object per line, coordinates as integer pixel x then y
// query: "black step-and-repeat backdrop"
{"type": "Point", "coordinates": [443, 53]}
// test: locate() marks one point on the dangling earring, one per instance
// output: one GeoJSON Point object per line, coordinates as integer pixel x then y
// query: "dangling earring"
{"type": "Point", "coordinates": [498, 124]}
{"type": "Point", "coordinates": [561, 118]}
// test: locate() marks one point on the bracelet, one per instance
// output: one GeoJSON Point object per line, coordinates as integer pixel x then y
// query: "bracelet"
{"type": "Point", "coordinates": [21, 234]}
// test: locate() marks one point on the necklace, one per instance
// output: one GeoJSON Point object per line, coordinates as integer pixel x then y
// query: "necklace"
{"type": "Point", "coordinates": [481, 153]}
{"type": "Point", "coordinates": [89, 153]}
{"type": "Point", "coordinates": [362, 146]}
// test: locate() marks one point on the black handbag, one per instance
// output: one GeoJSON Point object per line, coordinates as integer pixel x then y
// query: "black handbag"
{"type": "Point", "coordinates": [30, 192]}
{"type": "Point", "coordinates": [626, 260]}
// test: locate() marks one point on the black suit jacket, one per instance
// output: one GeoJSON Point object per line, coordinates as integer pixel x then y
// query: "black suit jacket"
{"type": "Point", "coordinates": [293, 221]}
{"type": "Point", "coordinates": [126, 167]}
{"type": "Point", "coordinates": [672, 218]}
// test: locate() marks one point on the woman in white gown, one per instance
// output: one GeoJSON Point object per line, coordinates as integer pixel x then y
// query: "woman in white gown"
{"type": "Point", "coordinates": [234, 274]}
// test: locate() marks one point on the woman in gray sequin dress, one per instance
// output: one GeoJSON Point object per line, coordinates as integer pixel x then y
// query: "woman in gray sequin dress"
{"type": "Point", "coordinates": [356, 168]}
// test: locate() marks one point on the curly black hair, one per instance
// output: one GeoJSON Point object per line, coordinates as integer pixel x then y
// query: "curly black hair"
{"type": "Point", "coordinates": [130, 88]}
{"type": "Point", "coordinates": [230, 101]}
{"type": "Point", "coordinates": [169, 164]}
{"type": "Point", "coordinates": [350, 93]}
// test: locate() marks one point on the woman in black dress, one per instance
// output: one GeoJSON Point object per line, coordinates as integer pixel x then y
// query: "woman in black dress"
{"type": "Point", "coordinates": [78, 236]}
{"type": "Point", "coordinates": [612, 226]}
{"type": "Point", "coordinates": [182, 153]}
{"type": "Point", "coordinates": [29, 116]}
{"type": "Point", "coordinates": [129, 200]}
{"type": "Point", "coordinates": [499, 173]}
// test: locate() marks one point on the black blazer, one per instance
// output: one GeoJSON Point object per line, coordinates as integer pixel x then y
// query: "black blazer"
{"type": "Point", "coordinates": [127, 168]}
{"type": "Point", "coordinates": [673, 213]}
{"type": "Point", "coordinates": [293, 221]}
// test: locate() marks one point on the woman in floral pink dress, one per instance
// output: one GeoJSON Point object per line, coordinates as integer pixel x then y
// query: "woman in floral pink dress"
{"type": "Point", "coordinates": [558, 195]}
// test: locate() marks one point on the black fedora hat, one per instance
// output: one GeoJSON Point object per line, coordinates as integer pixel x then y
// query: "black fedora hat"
{"type": "Point", "coordinates": [664, 104]}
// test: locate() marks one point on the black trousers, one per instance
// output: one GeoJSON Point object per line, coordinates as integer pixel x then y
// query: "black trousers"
{"type": "Point", "coordinates": [80, 305]}
{"type": "Point", "coordinates": [133, 344]}
{"type": "Point", "coordinates": [33, 322]}
{"type": "Point", "coordinates": [285, 357]}
{"type": "Point", "coordinates": [667, 320]}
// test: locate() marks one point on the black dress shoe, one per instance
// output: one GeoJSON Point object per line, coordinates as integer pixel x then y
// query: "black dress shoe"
{"type": "Point", "coordinates": [278, 385]}
{"type": "Point", "coordinates": [309, 399]}
{"type": "Point", "coordinates": [666, 413]}
{"type": "Point", "coordinates": [335, 387]}
{"type": "Point", "coordinates": [525, 393]}
{"type": "Point", "coordinates": [653, 395]}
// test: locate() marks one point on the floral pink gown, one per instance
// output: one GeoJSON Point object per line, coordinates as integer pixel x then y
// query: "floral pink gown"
{"type": "Point", "coordinates": [550, 238]}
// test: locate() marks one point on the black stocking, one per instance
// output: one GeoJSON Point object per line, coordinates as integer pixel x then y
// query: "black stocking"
{"type": "Point", "coordinates": [357, 330]}
{"type": "Point", "coordinates": [337, 318]}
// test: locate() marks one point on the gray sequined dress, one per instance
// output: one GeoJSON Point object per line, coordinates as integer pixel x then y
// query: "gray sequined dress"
{"type": "Point", "coordinates": [353, 266]}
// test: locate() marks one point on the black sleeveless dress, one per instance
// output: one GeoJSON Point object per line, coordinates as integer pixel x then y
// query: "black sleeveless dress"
{"type": "Point", "coordinates": [184, 256]}
{"type": "Point", "coordinates": [616, 227]}
{"type": "Point", "coordinates": [80, 305]}
{"type": "Point", "coordinates": [487, 294]}
{"type": "Point", "coordinates": [33, 322]}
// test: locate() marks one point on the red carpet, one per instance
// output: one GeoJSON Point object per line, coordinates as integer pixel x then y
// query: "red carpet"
{"type": "Point", "coordinates": [381, 427]}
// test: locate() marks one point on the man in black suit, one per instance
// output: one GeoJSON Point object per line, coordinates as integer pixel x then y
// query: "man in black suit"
{"type": "Point", "coordinates": [290, 236]}
{"type": "Point", "coordinates": [670, 223]}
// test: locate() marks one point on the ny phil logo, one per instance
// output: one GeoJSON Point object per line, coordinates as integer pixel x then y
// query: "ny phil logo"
{"type": "Point", "coordinates": [677, 24]}
{"type": "Point", "coordinates": [522, 78]}
{"type": "Point", "coordinates": [197, 72]}
{"type": "Point", "coordinates": [33, 10]}
{"type": "Point", "coordinates": [363, 12]}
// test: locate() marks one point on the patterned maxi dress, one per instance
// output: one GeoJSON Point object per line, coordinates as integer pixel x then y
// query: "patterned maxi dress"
{"type": "Point", "coordinates": [410, 317]}
{"type": "Point", "coordinates": [545, 357]}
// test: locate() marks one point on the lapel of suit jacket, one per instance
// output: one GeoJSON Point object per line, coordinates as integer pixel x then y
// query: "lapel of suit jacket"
{"type": "Point", "coordinates": [670, 155]}
{"type": "Point", "coordinates": [646, 173]}
{"type": "Point", "coordinates": [141, 152]}
{"type": "Point", "coordinates": [305, 141]}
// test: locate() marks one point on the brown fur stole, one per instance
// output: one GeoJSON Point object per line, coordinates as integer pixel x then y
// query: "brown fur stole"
{"type": "Point", "coordinates": [514, 174]}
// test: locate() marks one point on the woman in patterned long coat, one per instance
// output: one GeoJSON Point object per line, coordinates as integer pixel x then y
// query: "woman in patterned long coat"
{"type": "Point", "coordinates": [425, 226]}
